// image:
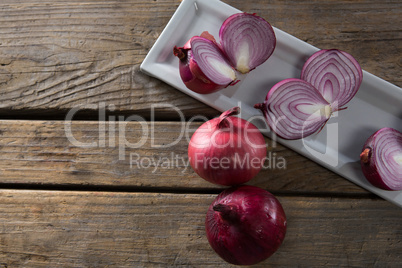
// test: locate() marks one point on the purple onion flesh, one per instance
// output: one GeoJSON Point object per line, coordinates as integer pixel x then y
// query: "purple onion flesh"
{"type": "Point", "coordinates": [381, 159]}
{"type": "Point", "coordinates": [203, 68]}
{"type": "Point", "coordinates": [247, 40]}
{"type": "Point", "coordinates": [335, 74]}
{"type": "Point", "coordinates": [295, 109]}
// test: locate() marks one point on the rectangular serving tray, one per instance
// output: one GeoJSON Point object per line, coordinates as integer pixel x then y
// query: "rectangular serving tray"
{"type": "Point", "coordinates": [337, 147]}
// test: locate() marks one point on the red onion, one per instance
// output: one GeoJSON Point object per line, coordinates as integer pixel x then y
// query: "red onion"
{"type": "Point", "coordinates": [336, 75]}
{"type": "Point", "coordinates": [381, 159]}
{"type": "Point", "coordinates": [245, 225]}
{"type": "Point", "coordinates": [227, 150]}
{"type": "Point", "coordinates": [297, 108]}
{"type": "Point", "coordinates": [247, 40]}
{"type": "Point", "coordinates": [294, 109]}
{"type": "Point", "coordinates": [203, 68]}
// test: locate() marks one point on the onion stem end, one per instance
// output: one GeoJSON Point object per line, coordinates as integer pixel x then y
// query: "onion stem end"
{"type": "Point", "coordinates": [365, 155]}
{"type": "Point", "coordinates": [178, 52]}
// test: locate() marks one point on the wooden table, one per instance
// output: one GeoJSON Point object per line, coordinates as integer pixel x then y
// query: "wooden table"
{"type": "Point", "coordinates": [71, 198]}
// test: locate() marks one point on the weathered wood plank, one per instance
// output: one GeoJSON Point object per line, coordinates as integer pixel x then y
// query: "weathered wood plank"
{"type": "Point", "coordinates": [56, 55]}
{"type": "Point", "coordinates": [87, 229]}
{"type": "Point", "coordinates": [50, 153]}
{"type": "Point", "coordinates": [59, 55]}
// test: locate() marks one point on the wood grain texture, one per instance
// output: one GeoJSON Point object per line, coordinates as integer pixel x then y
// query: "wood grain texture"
{"type": "Point", "coordinates": [81, 229]}
{"type": "Point", "coordinates": [56, 55]}
{"type": "Point", "coordinates": [125, 154]}
{"type": "Point", "coordinates": [59, 55]}
{"type": "Point", "coordinates": [98, 207]}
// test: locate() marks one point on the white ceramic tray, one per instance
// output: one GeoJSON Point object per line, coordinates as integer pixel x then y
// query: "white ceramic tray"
{"type": "Point", "coordinates": [337, 147]}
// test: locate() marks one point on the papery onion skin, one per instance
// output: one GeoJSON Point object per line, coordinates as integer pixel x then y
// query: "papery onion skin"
{"type": "Point", "coordinates": [251, 31]}
{"type": "Point", "coordinates": [227, 150]}
{"type": "Point", "coordinates": [193, 73]}
{"type": "Point", "coordinates": [283, 113]}
{"type": "Point", "coordinates": [335, 74]}
{"type": "Point", "coordinates": [381, 159]}
{"type": "Point", "coordinates": [245, 225]}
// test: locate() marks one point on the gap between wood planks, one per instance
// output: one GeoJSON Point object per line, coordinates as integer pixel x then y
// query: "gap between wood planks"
{"type": "Point", "coordinates": [168, 190]}
{"type": "Point", "coordinates": [161, 115]}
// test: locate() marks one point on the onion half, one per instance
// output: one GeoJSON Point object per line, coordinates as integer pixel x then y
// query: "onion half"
{"type": "Point", "coordinates": [247, 40]}
{"type": "Point", "coordinates": [336, 75]}
{"type": "Point", "coordinates": [203, 68]}
{"type": "Point", "coordinates": [381, 159]}
{"type": "Point", "coordinates": [295, 109]}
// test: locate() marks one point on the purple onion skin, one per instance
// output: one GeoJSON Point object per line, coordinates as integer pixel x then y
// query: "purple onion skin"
{"type": "Point", "coordinates": [217, 144]}
{"type": "Point", "coordinates": [370, 162]}
{"type": "Point", "coordinates": [245, 225]}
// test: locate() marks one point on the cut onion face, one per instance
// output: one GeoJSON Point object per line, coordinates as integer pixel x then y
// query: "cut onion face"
{"type": "Point", "coordinates": [335, 74]}
{"type": "Point", "coordinates": [295, 109]}
{"type": "Point", "coordinates": [381, 159]}
{"type": "Point", "coordinates": [203, 68]}
{"type": "Point", "coordinates": [210, 60]}
{"type": "Point", "coordinates": [247, 40]}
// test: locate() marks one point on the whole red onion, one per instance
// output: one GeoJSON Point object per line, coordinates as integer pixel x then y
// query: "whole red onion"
{"type": "Point", "coordinates": [227, 150]}
{"type": "Point", "coordinates": [245, 225]}
{"type": "Point", "coordinates": [381, 159]}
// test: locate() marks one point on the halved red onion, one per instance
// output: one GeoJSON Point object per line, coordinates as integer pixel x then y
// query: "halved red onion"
{"type": "Point", "coordinates": [381, 159]}
{"type": "Point", "coordinates": [335, 74]}
{"type": "Point", "coordinates": [203, 67]}
{"type": "Point", "coordinates": [248, 40]}
{"type": "Point", "coordinates": [295, 109]}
